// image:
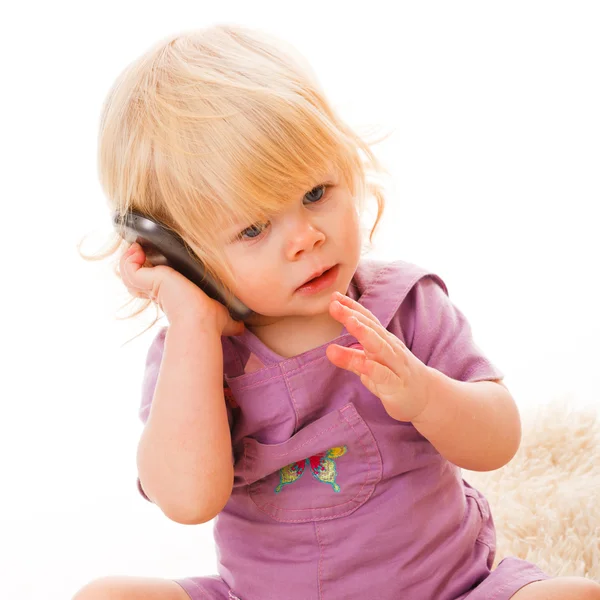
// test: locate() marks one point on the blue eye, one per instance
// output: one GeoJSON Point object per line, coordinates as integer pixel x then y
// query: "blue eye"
{"type": "Point", "coordinates": [253, 231]}
{"type": "Point", "coordinates": [316, 193]}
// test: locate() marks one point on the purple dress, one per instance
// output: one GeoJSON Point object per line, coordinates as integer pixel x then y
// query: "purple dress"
{"type": "Point", "coordinates": [332, 498]}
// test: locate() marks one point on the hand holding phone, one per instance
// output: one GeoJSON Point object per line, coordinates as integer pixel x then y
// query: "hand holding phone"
{"type": "Point", "coordinates": [164, 247]}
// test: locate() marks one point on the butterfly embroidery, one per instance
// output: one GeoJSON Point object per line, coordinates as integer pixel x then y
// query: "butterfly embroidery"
{"type": "Point", "coordinates": [322, 465]}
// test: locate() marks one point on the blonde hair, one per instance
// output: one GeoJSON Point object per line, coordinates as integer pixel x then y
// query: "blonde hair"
{"type": "Point", "coordinates": [219, 125]}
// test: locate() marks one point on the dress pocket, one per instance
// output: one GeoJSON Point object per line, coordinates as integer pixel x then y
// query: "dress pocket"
{"type": "Point", "coordinates": [325, 471]}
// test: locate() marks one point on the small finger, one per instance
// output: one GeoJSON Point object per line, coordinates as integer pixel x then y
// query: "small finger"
{"type": "Point", "coordinates": [370, 338]}
{"type": "Point", "coordinates": [342, 313]}
{"type": "Point", "coordinates": [345, 315]}
{"type": "Point", "coordinates": [353, 305]}
{"type": "Point", "coordinates": [131, 249]}
{"type": "Point", "coordinates": [346, 358]}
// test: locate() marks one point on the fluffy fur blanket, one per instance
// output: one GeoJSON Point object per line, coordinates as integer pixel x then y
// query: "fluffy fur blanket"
{"type": "Point", "coordinates": [546, 501]}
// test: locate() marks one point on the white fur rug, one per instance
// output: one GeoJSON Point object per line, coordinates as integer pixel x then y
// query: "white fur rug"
{"type": "Point", "coordinates": [546, 501]}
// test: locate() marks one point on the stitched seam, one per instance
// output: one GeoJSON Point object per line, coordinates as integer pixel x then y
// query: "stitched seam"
{"type": "Point", "coordinates": [314, 360]}
{"type": "Point", "coordinates": [508, 584]}
{"type": "Point", "coordinates": [245, 469]}
{"type": "Point", "coordinates": [251, 385]}
{"type": "Point", "coordinates": [320, 572]}
{"type": "Point", "coordinates": [351, 500]}
{"type": "Point", "coordinates": [378, 454]}
{"type": "Point", "coordinates": [363, 446]}
{"type": "Point", "coordinates": [237, 358]}
{"type": "Point", "coordinates": [248, 386]}
{"type": "Point", "coordinates": [202, 591]}
{"type": "Point", "coordinates": [307, 441]}
{"type": "Point", "coordinates": [397, 304]}
{"type": "Point", "coordinates": [300, 510]}
{"type": "Point", "coordinates": [294, 404]}
{"type": "Point", "coordinates": [181, 586]}
{"type": "Point", "coordinates": [369, 287]}
{"type": "Point", "coordinates": [304, 520]}
{"type": "Point", "coordinates": [340, 341]}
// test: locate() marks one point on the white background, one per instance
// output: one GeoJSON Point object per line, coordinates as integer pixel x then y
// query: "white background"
{"type": "Point", "coordinates": [494, 160]}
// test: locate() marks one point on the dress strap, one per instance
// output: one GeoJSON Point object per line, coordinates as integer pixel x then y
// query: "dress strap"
{"type": "Point", "coordinates": [383, 286]}
{"type": "Point", "coordinates": [380, 286]}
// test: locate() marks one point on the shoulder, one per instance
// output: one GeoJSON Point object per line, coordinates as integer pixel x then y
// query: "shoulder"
{"type": "Point", "coordinates": [377, 276]}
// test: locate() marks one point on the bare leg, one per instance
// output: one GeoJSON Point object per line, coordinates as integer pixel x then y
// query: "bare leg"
{"type": "Point", "coordinates": [131, 588]}
{"type": "Point", "coordinates": [560, 588]}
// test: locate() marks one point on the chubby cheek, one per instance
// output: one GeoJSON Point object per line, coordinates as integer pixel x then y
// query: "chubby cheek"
{"type": "Point", "coordinates": [259, 290]}
{"type": "Point", "coordinates": [350, 236]}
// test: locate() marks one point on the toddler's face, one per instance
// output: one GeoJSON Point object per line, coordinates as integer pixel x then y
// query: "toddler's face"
{"type": "Point", "coordinates": [272, 260]}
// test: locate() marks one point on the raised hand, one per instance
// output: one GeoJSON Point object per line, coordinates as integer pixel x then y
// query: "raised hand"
{"type": "Point", "coordinates": [386, 367]}
{"type": "Point", "coordinates": [177, 296]}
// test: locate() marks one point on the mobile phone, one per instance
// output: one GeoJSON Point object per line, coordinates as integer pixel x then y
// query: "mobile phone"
{"type": "Point", "coordinates": [163, 246]}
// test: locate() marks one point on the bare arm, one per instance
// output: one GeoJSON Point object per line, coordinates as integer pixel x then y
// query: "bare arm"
{"type": "Point", "coordinates": [184, 454]}
{"type": "Point", "coordinates": [475, 425]}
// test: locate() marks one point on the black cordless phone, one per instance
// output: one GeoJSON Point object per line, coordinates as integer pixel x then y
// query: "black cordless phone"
{"type": "Point", "coordinates": [164, 247]}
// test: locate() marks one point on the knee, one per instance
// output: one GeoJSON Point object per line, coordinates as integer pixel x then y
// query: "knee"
{"type": "Point", "coordinates": [103, 588]}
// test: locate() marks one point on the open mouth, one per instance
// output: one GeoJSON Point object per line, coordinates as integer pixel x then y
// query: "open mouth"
{"type": "Point", "coordinates": [320, 282]}
{"type": "Point", "coordinates": [319, 276]}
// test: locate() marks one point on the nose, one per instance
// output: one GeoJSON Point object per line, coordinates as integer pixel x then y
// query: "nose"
{"type": "Point", "coordinates": [302, 236]}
